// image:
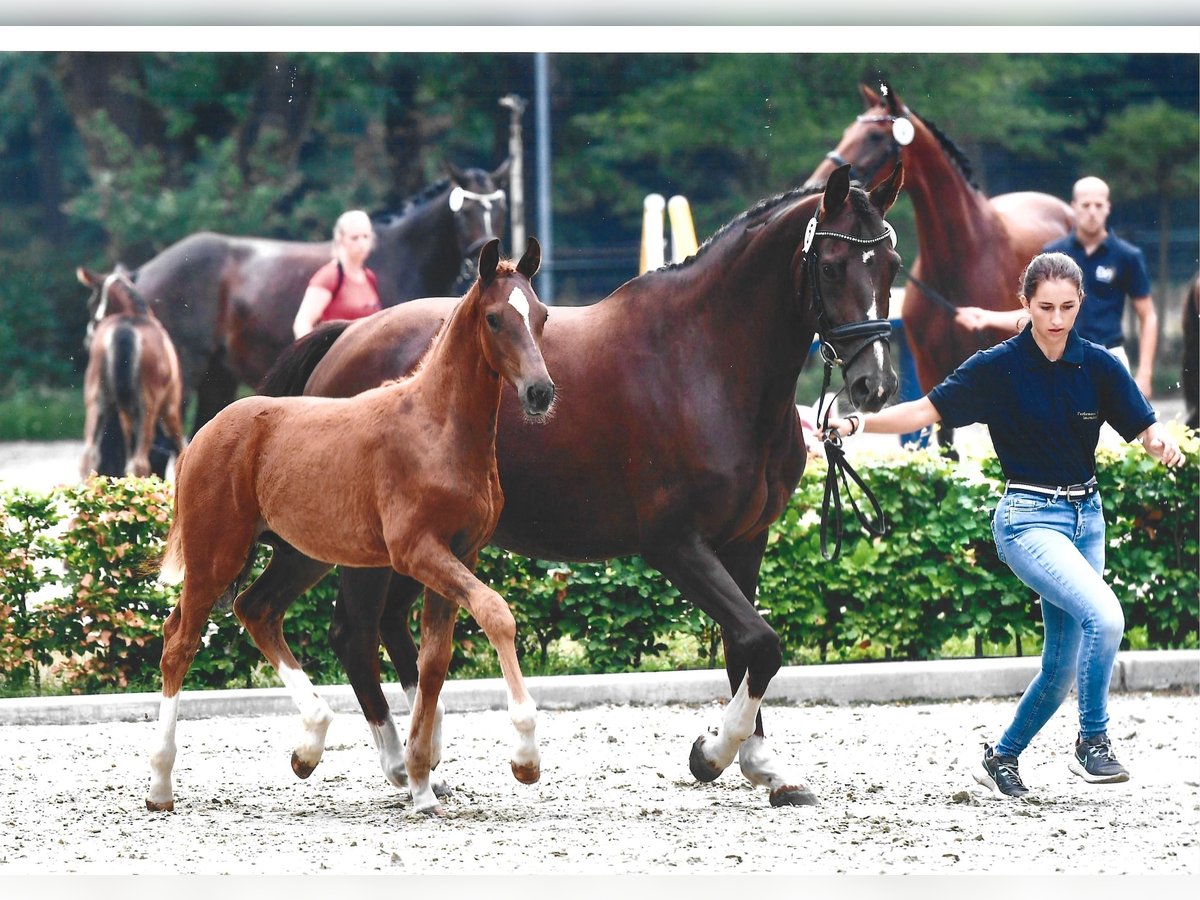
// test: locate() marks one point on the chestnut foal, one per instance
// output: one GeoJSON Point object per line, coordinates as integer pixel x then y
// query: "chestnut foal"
{"type": "Point", "coordinates": [403, 475]}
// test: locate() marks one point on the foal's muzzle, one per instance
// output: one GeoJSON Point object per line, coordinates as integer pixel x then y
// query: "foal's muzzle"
{"type": "Point", "coordinates": [537, 399]}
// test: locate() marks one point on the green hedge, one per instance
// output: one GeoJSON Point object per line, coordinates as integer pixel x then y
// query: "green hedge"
{"type": "Point", "coordinates": [78, 606]}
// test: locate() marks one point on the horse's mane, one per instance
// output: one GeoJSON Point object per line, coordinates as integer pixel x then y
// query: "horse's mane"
{"type": "Point", "coordinates": [956, 154]}
{"type": "Point", "coordinates": [409, 204]}
{"type": "Point", "coordinates": [504, 267]}
{"type": "Point", "coordinates": [760, 209]}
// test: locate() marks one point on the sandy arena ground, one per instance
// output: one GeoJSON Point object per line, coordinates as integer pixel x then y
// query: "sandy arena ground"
{"type": "Point", "coordinates": [896, 796]}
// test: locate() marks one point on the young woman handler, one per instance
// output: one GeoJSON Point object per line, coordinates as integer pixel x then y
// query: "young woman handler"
{"type": "Point", "coordinates": [1043, 395]}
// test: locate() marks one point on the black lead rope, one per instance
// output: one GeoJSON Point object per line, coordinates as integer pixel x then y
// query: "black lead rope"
{"type": "Point", "coordinates": [838, 475]}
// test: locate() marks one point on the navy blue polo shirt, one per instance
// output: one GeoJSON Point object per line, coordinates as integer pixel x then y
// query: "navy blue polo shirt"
{"type": "Point", "coordinates": [1044, 417]}
{"type": "Point", "coordinates": [1115, 270]}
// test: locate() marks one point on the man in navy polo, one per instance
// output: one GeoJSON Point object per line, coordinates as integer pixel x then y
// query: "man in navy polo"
{"type": "Point", "coordinates": [1113, 269]}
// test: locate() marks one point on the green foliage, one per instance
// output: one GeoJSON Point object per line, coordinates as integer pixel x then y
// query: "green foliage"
{"type": "Point", "coordinates": [41, 413]}
{"type": "Point", "coordinates": [80, 601]}
{"type": "Point", "coordinates": [1155, 148]}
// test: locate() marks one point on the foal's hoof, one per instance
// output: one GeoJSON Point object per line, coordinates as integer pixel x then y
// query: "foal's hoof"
{"type": "Point", "coordinates": [301, 768]}
{"type": "Point", "coordinates": [527, 773]}
{"type": "Point", "coordinates": [167, 806]}
{"type": "Point", "coordinates": [441, 790]}
{"type": "Point", "coordinates": [701, 768]}
{"type": "Point", "coordinates": [793, 795]}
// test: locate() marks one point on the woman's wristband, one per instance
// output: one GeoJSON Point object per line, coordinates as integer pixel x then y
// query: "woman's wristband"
{"type": "Point", "coordinates": [855, 423]}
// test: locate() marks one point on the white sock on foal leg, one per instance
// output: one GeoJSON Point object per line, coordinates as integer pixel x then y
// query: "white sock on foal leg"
{"type": "Point", "coordinates": [162, 758]}
{"type": "Point", "coordinates": [315, 717]}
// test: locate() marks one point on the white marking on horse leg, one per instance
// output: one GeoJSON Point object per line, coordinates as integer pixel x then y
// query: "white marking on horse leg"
{"type": "Point", "coordinates": [720, 749]}
{"type": "Point", "coordinates": [761, 767]}
{"type": "Point", "coordinates": [315, 715]}
{"type": "Point", "coordinates": [162, 758]}
{"type": "Point", "coordinates": [391, 751]}
{"type": "Point", "coordinates": [525, 756]}
{"type": "Point", "coordinates": [435, 753]}
{"type": "Point", "coordinates": [518, 301]}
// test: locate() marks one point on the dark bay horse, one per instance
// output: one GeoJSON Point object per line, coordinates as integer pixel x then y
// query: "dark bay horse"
{"type": "Point", "coordinates": [403, 476]}
{"type": "Point", "coordinates": [132, 382]}
{"type": "Point", "coordinates": [971, 249]}
{"type": "Point", "coordinates": [228, 302]}
{"type": "Point", "coordinates": [676, 436]}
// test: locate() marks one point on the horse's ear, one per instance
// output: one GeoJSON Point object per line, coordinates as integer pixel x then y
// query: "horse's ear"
{"type": "Point", "coordinates": [501, 174]}
{"type": "Point", "coordinates": [531, 261]}
{"type": "Point", "coordinates": [885, 195]}
{"type": "Point", "coordinates": [457, 175]}
{"type": "Point", "coordinates": [489, 258]}
{"type": "Point", "coordinates": [87, 277]}
{"type": "Point", "coordinates": [894, 106]}
{"type": "Point", "coordinates": [837, 188]}
{"type": "Point", "coordinates": [869, 97]}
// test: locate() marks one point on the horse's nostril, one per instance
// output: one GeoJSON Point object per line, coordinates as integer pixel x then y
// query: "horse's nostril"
{"type": "Point", "coordinates": [539, 397]}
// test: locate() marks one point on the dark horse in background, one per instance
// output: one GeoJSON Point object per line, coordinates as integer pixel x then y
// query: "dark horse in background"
{"type": "Point", "coordinates": [229, 302]}
{"type": "Point", "coordinates": [971, 249]}
{"type": "Point", "coordinates": [675, 437]}
{"type": "Point", "coordinates": [132, 384]}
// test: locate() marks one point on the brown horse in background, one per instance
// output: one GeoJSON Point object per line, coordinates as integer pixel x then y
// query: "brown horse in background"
{"type": "Point", "coordinates": [971, 249]}
{"type": "Point", "coordinates": [228, 302]}
{"type": "Point", "coordinates": [132, 382]}
{"type": "Point", "coordinates": [403, 476]}
{"type": "Point", "coordinates": [677, 436]}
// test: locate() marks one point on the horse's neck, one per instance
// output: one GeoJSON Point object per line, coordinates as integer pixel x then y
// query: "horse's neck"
{"type": "Point", "coordinates": [422, 241]}
{"type": "Point", "coordinates": [754, 322]}
{"type": "Point", "coordinates": [956, 224]}
{"type": "Point", "coordinates": [458, 384]}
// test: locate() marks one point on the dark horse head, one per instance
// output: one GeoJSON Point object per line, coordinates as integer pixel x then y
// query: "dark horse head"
{"type": "Point", "coordinates": [844, 275]}
{"type": "Point", "coordinates": [480, 209]}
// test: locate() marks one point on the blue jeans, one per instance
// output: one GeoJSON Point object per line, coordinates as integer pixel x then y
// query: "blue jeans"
{"type": "Point", "coordinates": [1056, 547]}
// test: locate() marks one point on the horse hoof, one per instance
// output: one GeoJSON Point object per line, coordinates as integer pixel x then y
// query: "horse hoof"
{"type": "Point", "coordinates": [301, 768]}
{"type": "Point", "coordinates": [168, 806]}
{"type": "Point", "coordinates": [701, 768]}
{"type": "Point", "coordinates": [527, 773]}
{"type": "Point", "coordinates": [790, 795]}
{"type": "Point", "coordinates": [441, 790]}
{"type": "Point", "coordinates": [432, 812]}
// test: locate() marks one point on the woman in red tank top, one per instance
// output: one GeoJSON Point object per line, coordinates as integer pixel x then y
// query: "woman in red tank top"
{"type": "Point", "coordinates": [343, 288]}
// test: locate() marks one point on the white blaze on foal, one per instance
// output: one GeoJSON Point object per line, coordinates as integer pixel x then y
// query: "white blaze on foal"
{"type": "Point", "coordinates": [518, 301]}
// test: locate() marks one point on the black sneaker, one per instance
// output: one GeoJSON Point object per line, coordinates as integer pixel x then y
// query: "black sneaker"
{"type": "Point", "coordinates": [1095, 762]}
{"type": "Point", "coordinates": [999, 774]}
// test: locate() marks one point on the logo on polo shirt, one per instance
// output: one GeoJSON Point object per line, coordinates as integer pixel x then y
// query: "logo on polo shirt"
{"type": "Point", "coordinates": [1088, 416]}
{"type": "Point", "coordinates": [1105, 274]}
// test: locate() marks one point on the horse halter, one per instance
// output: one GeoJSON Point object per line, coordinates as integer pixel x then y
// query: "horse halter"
{"type": "Point", "coordinates": [870, 330]}
{"type": "Point", "coordinates": [459, 195]}
{"type": "Point", "coordinates": [902, 135]}
{"type": "Point", "coordinates": [840, 473]}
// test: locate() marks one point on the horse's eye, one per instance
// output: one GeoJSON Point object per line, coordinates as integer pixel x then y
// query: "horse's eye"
{"type": "Point", "coordinates": [829, 270]}
{"type": "Point", "coordinates": [493, 321]}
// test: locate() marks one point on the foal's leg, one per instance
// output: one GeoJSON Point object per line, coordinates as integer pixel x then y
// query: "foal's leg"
{"type": "Point", "coordinates": [758, 762]}
{"type": "Point", "coordinates": [444, 574]}
{"type": "Point", "coordinates": [261, 608]}
{"type": "Point", "coordinates": [397, 638]}
{"type": "Point", "coordinates": [205, 581]}
{"type": "Point", "coordinates": [423, 751]}
{"type": "Point", "coordinates": [93, 426]}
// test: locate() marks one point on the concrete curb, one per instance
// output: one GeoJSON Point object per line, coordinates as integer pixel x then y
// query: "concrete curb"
{"type": "Point", "coordinates": [881, 682]}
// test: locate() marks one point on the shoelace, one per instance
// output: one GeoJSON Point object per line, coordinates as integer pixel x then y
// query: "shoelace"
{"type": "Point", "coordinates": [1010, 771]}
{"type": "Point", "coordinates": [1101, 751]}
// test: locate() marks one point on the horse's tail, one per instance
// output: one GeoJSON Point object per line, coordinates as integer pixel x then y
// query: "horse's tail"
{"type": "Point", "coordinates": [290, 373]}
{"type": "Point", "coordinates": [171, 569]}
{"type": "Point", "coordinates": [121, 393]}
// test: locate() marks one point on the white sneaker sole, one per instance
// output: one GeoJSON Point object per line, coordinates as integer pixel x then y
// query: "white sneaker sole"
{"type": "Point", "coordinates": [1075, 766]}
{"type": "Point", "coordinates": [980, 774]}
